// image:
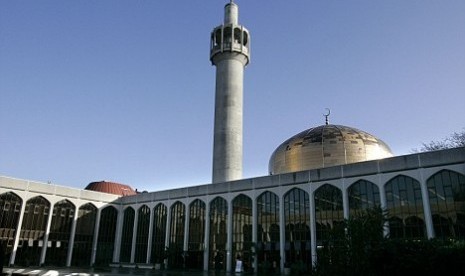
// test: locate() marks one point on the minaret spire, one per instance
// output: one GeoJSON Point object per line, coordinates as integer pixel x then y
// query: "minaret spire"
{"type": "Point", "coordinates": [229, 52]}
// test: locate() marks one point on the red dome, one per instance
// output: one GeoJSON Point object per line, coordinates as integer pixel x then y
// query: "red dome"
{"type": "Point", "coordinates": [111, 188]}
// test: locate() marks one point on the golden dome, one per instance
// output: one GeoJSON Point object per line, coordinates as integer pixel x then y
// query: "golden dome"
{"type": "Point", "coordinates": [326, 146]}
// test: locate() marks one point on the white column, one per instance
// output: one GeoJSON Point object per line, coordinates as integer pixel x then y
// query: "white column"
{"type": "Point", "coordinates": [47, 233]}
{"type": "Point", "coordinates": [168, 229]}
{"type": "Point", "coordinates": [134, 235]}
{"type": "Point", "coordinates": [149, 242]}
{"type": "Point", "coordinates": [186, 234]}
{"type": "Point", "coordinates": [229, 237]}
{"type": "Point", "coordinates": [426, 206]}
{"type": "Point", "coordinates": [71, 238]}
{"type": "Point", "coordinates": [345, 200]}
{"type": "Point", "coordinates": [313, 225]}
{"type": "Point", "coordinates": [206, 252]}
{"type": "Point", "coordinates": [118, 234]}
{"type": "Point", "coordinates": [254, 231]}
{"type": "Point", "coordinates": [18, 232]}
{"type": "Point", "coordinates": [186, 229]}
{"type": "Point", "coordinates": [95, 240]}
{"type": "Point", "coordinates": [383, 201]}
{"type": "Point", "coordinates": [282, 233]}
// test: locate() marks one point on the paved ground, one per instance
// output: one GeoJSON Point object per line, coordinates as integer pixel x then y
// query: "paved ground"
{"type": "Point", "coordinates": [44, 271]}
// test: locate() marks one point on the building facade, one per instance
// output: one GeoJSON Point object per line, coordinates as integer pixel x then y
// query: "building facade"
{"type": "Point", "coordinates": [279, 218]}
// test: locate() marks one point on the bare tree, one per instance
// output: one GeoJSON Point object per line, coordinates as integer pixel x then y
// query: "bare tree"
{"type": "Point", "coordinates": [455, 140]}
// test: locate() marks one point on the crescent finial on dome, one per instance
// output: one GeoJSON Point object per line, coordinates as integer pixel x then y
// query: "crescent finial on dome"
{"type": "Point", "coordinates": [326, 115]}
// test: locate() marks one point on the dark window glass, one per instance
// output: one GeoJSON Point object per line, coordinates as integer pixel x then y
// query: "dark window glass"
{"type": "Point", "coordinates": [60, 231]}
{"type": "Point", "coordinates": [328, 212]}
{"type": "Point", "coordinates": [82, 248]}
{"type": "Point", "coordinates": [218, 232]}
{"type": "Point", "coordinates": [405, 208]}
{"type": "Point", "coordinates": [196, 245]}
{"type": "Point", "coordinates": [159, 233]}
{"type": "Point", "coordinates": [242, 230]}
{"type": "Point", "coordinates": [142, 237]}
{"type": "Point", "coordinates": [106, 236]}
{"type": "Point", "coordinates": [363, 195]}
{"type": "Point", "coordinates": [126, 237]}
{"type": "Point", "coordinates": [297, 227]}
{"type": "Point", "coordinates": [268, 229]}
{"type": "Point", "coordinates": [10, 207]}
{"type": "Point", "coordinates": [176, 247]}
{"type": "Point", "coordinates": [32, 232]}
{"type": "Point", "coordinates": [447, 200]}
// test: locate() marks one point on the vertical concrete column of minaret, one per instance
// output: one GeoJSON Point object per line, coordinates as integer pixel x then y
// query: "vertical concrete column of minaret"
{"type": "Point", "coordinates": [229, 52]}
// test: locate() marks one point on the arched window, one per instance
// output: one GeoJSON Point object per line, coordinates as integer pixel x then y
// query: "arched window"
{"type": "Point", "coordinates": [403, 197]}
{"type": "Point", "coordinates": [245, 41]}
{"type": "Point", "coordinates": [297, 226]}
{"type": "Point", "coordinates": [268, 238]}
{"type": "Point", "coordinates": [60, 231]}
{"type": "Point", "coordinates": [197, 212]}
{"type": "Point", "coordinates": [106, 236]}
{"type": "Point", "coordinates": [159, 233]}
{"type": "Point", "coordinates": [126, 237]}
{"type": "Point", "coordinates": [85, 226]}
{"type": "Point", "coordinates": [217, 37]}
{"type": "Point", "coordinates": [218, 232]}
{"type": "Point", "coordinates": [227, 37]}
{"type": "Point", "coordinates": [10, 208]}
{"type": "Point", "coordinates": [142, 236]}
{"type": "Point", "coordinates": [176, 247]}
{"type": "Point", "coordinates": [363, 195]}
{"type": "Point", "coordinates": [242, 228]}
{"type": "Point", "coordinates": [447, 200]}
{"type": "Point", "coordinates": [237, 35]}
{"type": "Point", "coordinates": [31, 239]}
{"type": "Point", "coordinates": [328, 211]}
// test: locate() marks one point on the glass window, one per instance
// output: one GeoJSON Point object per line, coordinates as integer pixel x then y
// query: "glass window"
{"type": "Point", "coordinates": [106, 236]}
{"type": "Point", "coordinates": [32, 232]}
{"type": "Point", "coordinates": [405, 208]}
{"type": "Point", "coordinates": [447, 200]}
{"type": "Point", "coordinates": [159, 233]}
{"type": "Point", "coordinates": [10, 206]}
{"type": "Point", "coordinates": [60, 231]}
{"type": "Point", "coordinates": [142, 236]}
{"type": "Point", "coordinates": [328, 212]}
{"type": "Point", "coordinates": [218, 232]}
{"type": "Point", "coordinates": [242, 230]}
{"type": "Point", "coordinates": [176, 245]}
{"type": "Point", "coordinates": [363, 195]}
{"type": "Point", "coordinates": [82, 248]}
{"type": "Point", "coordinates": [297, 227]}
{"type": "Point", "coordinates": [196, 243]}
{"type": "Point", "coordinates": [268, 238]}
{"type": "Point", "coordinates": [126, 237]}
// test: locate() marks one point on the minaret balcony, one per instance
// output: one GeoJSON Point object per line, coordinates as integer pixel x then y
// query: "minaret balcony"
{"type": "Point", "coordinates": [230, 38]}
{"type": "Point", "coordinates": [229, 47]}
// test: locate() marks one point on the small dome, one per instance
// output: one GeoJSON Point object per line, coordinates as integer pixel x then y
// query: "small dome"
{"type": "Point", "coordinates": [111, 188]}
{"type": "Point", "coordinates": [326, 146]}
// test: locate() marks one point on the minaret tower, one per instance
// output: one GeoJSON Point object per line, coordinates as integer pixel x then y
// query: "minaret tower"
{"type": "Point", "coordinates": [229, 52]}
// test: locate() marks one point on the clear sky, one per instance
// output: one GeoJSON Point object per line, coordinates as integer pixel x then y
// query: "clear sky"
{"type": "Point", "coordinates": [124, 90]}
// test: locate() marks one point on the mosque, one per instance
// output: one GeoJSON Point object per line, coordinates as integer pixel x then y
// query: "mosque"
{"type": "Point", "coordinates": [317, 178]}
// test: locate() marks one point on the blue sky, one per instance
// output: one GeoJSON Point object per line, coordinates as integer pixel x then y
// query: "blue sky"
{"type": "Point", "coordinates": [124, 90]}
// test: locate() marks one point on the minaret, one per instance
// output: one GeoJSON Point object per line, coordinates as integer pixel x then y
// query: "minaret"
{"type": "Point", "coordinates": [229, 52]}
